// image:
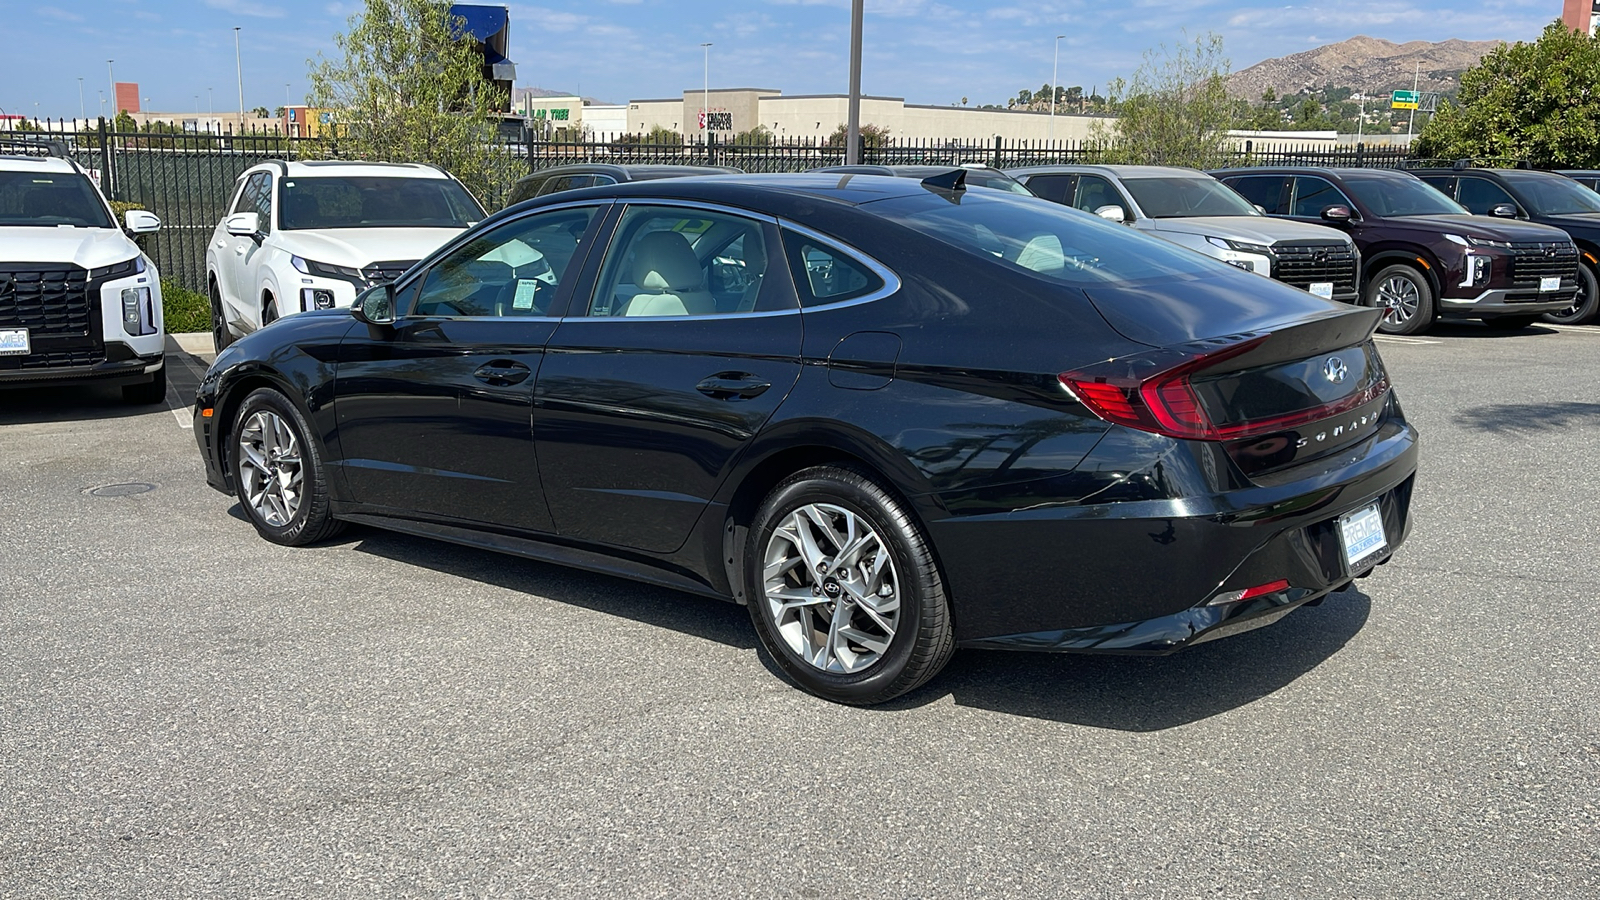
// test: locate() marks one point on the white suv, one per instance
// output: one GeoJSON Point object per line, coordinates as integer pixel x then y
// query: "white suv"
{"type": "Point", "coordinates": [312, 235]}
{"type": "Point", "coordinates": [79, 301]}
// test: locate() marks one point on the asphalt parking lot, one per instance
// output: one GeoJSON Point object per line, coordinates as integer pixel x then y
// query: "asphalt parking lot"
{"type": "Point", "coordinates": [188, 710]}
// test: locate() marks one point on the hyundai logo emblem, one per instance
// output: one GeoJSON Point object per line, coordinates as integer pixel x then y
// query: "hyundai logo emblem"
{"type": "Point", "coordinates": [1335, 370]}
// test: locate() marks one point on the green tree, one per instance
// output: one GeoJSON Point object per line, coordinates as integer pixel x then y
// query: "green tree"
{"type": "Point", "coordinates": [1175, 110]}
{"type": "Point", "coordinates": [759, 136]}
{"type": "Point", "coordinates": [406, 89]}
{"type": "Point", "coordinates": [124, 123]}
{"type": "Point", "coordinates": [872, 136]}
{"type": "Point", "coordinates": [1539, 102]}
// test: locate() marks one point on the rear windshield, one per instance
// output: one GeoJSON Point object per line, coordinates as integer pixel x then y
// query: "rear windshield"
{"type": "Point", "coordinates": [1402, 197]}
{"type": "Point", "coordinates": [1046, 239]}
{"type": "Point", "coordinates": [1180, 198]}
{"type": "Point", "coordinates": [374, 202]}
{"type": "Point", "coordinates": [46, 199]}
{"type": "Point", "coordinates": [1557, 196]}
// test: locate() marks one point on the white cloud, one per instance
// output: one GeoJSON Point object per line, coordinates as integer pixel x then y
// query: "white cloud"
{"type": "Point", "coordinates": [60, 15]}
{"type": "Point", "coordinates": [246, 8]}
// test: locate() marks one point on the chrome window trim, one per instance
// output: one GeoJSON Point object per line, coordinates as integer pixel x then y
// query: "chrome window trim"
{"type": "Point", "coordinates": [891, 281]}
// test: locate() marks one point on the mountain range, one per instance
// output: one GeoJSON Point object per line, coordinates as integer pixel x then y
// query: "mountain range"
{"type": "Point", "coordinates": [1365, 64]}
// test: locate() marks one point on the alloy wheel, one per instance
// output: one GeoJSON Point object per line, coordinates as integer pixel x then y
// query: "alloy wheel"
{"type": "Point", "coordinates": [270, 468]}
{"type": "Point", "coordinates": [1400, 299]}
{"type": "Point", "coordinates": [831, 589]}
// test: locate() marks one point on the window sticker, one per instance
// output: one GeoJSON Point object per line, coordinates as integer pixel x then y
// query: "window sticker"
{"type": "Point", "coordinates": [526, 289]}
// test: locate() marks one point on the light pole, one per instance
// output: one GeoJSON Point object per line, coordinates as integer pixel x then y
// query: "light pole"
{"type": "Point", "coordinates": [238, 64]}
{"type": "Point", "coordinates": [111, 84]}
{"type": "Point", "coordinates": [1054, 68]}
{"type": "Point", "coordinates": [82, 113]}
{"type": "Point", "coordinates": [852, 129]}
{"type": "Point", "coordinates": [211, 110]}
{"type": "Point", "coordinates": [705, 94]}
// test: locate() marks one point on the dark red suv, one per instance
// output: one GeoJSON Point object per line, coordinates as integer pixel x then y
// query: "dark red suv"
{"type": "Point", "coordinates": [1423, 255]}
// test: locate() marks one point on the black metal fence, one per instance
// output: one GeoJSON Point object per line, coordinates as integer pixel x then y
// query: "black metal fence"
{"type": "Point", "coordinates": [187, 178]}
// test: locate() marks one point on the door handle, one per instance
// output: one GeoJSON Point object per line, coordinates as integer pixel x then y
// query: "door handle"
{"type": "Point", "coordinates": [732, 386]}
{"type": "Point", "coordinates": [502, 373]}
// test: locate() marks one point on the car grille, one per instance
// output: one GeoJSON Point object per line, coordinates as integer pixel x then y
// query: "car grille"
{"type": "Point", "coordinates": [1534, 261]}
{"type": "Point", "coordinates": [1303, 265]}
{"type": "Point", "coordinates": [52, 359]}
{"type": "Point", "coordinates": [48, 301]}
{"type": "Point", "coordinates": [384, 272]}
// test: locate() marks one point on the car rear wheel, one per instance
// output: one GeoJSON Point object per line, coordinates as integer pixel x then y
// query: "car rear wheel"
{"type": "Point", "coordinates": [1585, 306]}
{"type": "Point", "coordinates": [269, 311]}
{"type": "Point", "coordinates": [1510, 323]}
{"type": "Point", "coordinates": [1405, 298]}
{"type": "Point", "coordinates": [221, 337]}
{"type": "Point", "coordinates": [278, 472]}
{"type": "Point", "coordinates": [843, 588]}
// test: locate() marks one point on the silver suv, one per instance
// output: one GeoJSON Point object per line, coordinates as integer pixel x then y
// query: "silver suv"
{"type": "Point", "coordinates": [1189, 207]}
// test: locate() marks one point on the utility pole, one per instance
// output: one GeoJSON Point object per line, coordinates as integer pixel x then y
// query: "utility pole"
{"type": "Point", "coordinates": [852, 132]}
{"type": "Point", "coordinates": [1412, 119]}
{"type": "Point", "coordinates": [1361, 117]}
{"type": "Point", "coordinates": [238, 64]}
{"type": "Point", "coordinates": [705, 95]}
{"type": "Point", "coordinates": [1053, 88]}
{"type": "Point", "coordinates": [111, 83]}
{"type": "Point", "coordinates": [82, 113]}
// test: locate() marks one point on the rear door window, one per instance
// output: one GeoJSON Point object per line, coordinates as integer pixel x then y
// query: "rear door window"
{"type": "Point", "coordinates": [1479, 195]}
{"type": "Point", "coordinates": [826, 274]}
{"type": "Point", "coordinates": [1313, 195]}
{"type": "Point", "coordinates": [1055, 188]}
{"type": "Point", "coordinates": [1095, 192]}
{"type": "Point", "coordinates": [1266, 191]}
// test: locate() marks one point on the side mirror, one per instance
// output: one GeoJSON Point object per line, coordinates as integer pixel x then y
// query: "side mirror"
{"type": "Point", "coordinates": [1338, 214]}
{"type": "Point", "coordinates": [375, 305]}
{"type": "Point", "coordinates": [141, 221]}
{"type": "Point", "coordinates": [1259, 208]}
{"type": "Point", "coordinates": [243, 224]}
{"type": "Point", "coordinates": [1112, 212]}
{"type": "Point", "coordinates": [1503, 211]}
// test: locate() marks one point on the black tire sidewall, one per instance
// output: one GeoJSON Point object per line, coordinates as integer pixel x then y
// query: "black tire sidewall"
{"type": "Point", "coordinates": [826, 486]}
{"type": "Point", "coordinates": [1424, 316]}
{"type": "Point", "coordinates": [310, 461]}
{"type": "Point", "coordinates": [221, 337]}
{"type": "Point", "coordinates": [1589, 282]}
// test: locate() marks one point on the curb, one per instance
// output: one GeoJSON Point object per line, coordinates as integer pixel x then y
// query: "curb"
{"type": "Point", "coordinates": [193, 343]}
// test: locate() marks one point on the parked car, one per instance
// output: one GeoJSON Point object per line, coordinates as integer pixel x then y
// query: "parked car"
{"type": "Point", "coordinates": [79, 301]}
{"type": "Point", "coordinates": [973, 175]}
{"type": "Point", "coordinates": [1589, 178]}
{"type": "Point", "coordinates": [582, 175]}
{"type": "Point", "coordinates": [1190, 208]}
{"type": "Point", "coordinates": [1424, 255]}
{"type": "Point", "coordinates": [1542, 197]}
{"type": "Point", "coordinates": [916, 418]}
{"type": "Point", "coordinates": [310, 235]}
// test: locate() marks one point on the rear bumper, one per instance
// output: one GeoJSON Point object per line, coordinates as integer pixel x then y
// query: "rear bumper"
{"type": "Point", "coordinates": [1136, 577]}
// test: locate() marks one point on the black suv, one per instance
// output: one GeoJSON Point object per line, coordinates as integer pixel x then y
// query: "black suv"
{"type": "Point", "coordinates": [1423, 255]}
{"type": "Point", "coordinates": [582, 175]}
{"type": "Point", "coordinates": [1542, 197]}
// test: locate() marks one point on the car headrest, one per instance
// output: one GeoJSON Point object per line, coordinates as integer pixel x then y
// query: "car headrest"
{"type": "Point", "coordinates": [664, 261]}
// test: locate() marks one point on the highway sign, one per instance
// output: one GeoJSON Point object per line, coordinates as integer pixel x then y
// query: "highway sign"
{"type": "Point", "coordinates": [1403, 100]}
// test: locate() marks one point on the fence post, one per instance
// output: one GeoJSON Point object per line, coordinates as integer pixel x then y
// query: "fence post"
{"type": "Point", "coordinates": [997, 140]}
{"type": "Point", "coordinates": [107, 180]}
{"type": "Point", "coordinates": [527, 132]}
{"type": "Point", "coordinates": [1361, 148]}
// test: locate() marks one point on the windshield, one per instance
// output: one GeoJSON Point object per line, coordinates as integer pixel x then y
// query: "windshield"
{"type": "Point", "coordinates": [1555, 195]}
{"type": "Point", "coordinates": [1402, 197]}
{"type": "Point", "coordinates": [374, 202]}
{"type": "Point", "coordinates": [1047, 239]}
{"type": "Point", "coordinates": [47, 199]}
{"type": "Point", "coordinates": [1180, 197]}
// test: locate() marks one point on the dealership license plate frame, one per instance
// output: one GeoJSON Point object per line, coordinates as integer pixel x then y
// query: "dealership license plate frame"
{"type": "Point", "coordinates": [15, 342]}
{"type": "Point", "coordinates": [1323, 289]}
{"type": "Point", "coordinates": [1362, 536]}
{"type": "Point", "coordinates": [1549, 283]}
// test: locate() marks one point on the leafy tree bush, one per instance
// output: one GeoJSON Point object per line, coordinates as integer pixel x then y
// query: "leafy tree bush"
{"type": "Point", "coordinates": [1537, 102]}
{"type": "Point", "coordinates": [407, 90]}
{"type": "Point", "coordinates": [1175, 110]}
{"type": "Point", "coordinates": [872, 136]}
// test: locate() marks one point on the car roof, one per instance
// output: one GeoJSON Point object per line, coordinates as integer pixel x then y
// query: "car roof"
{"type": "Point", "coordinates": [1584, 173]}
{"type": "Point", "coordinates": [330, 168]}
{"type": "Point", "coordinates": [1116, 170]}
{"type": "Point", "coordinates": [643, 172]}
{"type": "Point", "coordinates": [1485, 170]}
{"type": "Point", "coordinates": [906, 170]}
{"type": "Point", "coordinates": [35, 164]}
{"type": "Point", "coordinates": [1324, 171]}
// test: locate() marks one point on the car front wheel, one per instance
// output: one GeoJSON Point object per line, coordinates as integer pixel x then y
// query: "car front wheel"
{"type": "Point", "coordinates": [1405, 298]}
{"type": "Point", "coordinates": [843, 588]}
{"type": "Point", "coordinates": [278, 471]}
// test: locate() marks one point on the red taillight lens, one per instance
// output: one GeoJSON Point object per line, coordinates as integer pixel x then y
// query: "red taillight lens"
{"type": "Point", "coordinates": [1156, 395]}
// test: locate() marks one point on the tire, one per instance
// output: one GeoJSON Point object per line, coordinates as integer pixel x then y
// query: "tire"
{"type": "Point", "coordinates": [269, 311]}
{"type": "Point", "coordinates": [152, 391]}
{"type": "Point", "coordinates": [1584, 308]}
{"type": "Point", "coordinates": [1510, 323]}
{"type": "Point", "coordinates": [1405, 296]}
{"type": "Point", "coordinates": [802, 619]}
{"type": "Point", "coordinates": [221, 337]}
{"type": "Point", "coordinates": [269, 452]}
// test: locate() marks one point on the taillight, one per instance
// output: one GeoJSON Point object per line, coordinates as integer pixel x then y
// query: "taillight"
{"type": "Point", "coordinates": [1154, 392]}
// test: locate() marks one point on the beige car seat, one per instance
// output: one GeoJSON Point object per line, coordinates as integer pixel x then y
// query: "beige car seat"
{"type": "Point", "coordinates": [669, 278]}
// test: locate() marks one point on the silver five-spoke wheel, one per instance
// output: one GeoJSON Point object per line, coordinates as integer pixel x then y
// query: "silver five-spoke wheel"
{"type": "Point", "coordinates": [1400, 299]}
{"type": "Point", "coordinates": [831, 588]}
{"type": "Point", "coordinates": [270, 468]}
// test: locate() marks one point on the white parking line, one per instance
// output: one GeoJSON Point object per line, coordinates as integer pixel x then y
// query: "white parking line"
{"type": "Point", "coordinates": [1573, 329]}
{"type": "Point", "coordinates": [1402, 339]}
{"type": "Point", "coordinates": [182, 413]}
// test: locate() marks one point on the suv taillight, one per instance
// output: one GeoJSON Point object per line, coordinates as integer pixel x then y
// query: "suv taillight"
{"type": "Point", "coordinates": [1154, 392]}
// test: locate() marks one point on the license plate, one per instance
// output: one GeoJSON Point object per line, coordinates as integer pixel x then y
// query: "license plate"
{"type": "Point", "coordinates": [1323, 289]}
{"type": "Point", "coordinates": [1362, 533]}
{"type": "Point", "coordinates": [1550, 284]}
{"type": "Point", "coordinates": [14, 342]}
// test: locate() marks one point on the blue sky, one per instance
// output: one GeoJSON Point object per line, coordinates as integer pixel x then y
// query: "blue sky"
{"type": "Point", "coordinates": [615, 50]}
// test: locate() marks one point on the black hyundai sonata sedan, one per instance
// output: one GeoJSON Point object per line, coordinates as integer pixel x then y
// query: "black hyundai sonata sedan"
{"type": "Point", "coordinates": [891, 417]}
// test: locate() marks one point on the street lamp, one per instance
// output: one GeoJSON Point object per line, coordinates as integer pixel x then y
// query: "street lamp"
{"type": "Point", "coordinates": [705, 93]}
{"type": "Point", "coordinates": [82, 114]}
{"type": "Point", "coordinates": [852, 130]}
{"type": "Point", "coordinates": [111, 83]}
{"type": "Point", "coordinates": [1054, 64]}
{"type": "Point", "coordinates": [238, 64]}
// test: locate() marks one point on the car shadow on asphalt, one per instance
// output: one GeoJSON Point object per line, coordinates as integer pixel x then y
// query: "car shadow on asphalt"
{"type": "Point", "coordinates": [1527, 418]}
{"type": "Point", "coordinates": [1455, 328]}
{"type": "Point", "coordinates": [1125, 693]}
